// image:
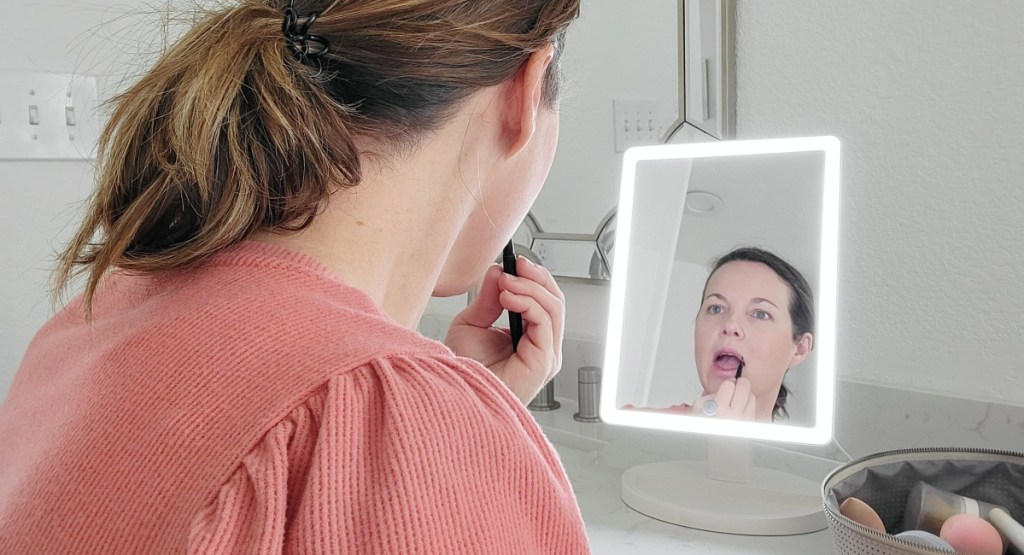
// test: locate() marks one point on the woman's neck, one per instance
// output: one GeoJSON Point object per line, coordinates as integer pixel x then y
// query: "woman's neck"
{"type": "Point", "coordinates": [390, 235]}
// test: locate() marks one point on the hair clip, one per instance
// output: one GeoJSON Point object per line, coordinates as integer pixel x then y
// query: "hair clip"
{"type": "Point", "coordinates": [296, 32]}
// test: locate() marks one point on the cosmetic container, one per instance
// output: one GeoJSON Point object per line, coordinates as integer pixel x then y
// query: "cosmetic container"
{"type": "Point", "coordinates": [918, 489]}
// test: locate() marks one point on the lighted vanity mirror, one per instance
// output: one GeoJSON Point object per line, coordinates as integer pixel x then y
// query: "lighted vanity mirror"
{"type": "Point", "coordinates": [681, 207]}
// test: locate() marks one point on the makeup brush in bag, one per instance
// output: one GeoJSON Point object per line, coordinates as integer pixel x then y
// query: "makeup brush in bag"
{"type": "Point", "coordinates": [930, 508]}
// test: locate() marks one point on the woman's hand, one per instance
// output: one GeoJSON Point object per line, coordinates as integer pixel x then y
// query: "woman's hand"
{"type": "Point", "coordinates": [733, 400]}
{"type": "Point", "coordinates": [538, 357]}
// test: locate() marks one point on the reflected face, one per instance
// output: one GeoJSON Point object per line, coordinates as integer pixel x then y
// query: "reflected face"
{"type": "Point", "coordinates": [744, 319]}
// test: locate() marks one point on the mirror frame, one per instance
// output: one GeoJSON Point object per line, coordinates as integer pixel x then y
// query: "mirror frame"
{"type": "Point", "coordinates": [537, 241]}
{"type": "Point", "coordinates": [825, 340]}
{"type": "Point", "coordinates": [707, 69]}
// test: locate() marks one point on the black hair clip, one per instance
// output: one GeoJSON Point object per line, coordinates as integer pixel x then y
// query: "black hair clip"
{"type": "Point", "coordinates": [296, 32]}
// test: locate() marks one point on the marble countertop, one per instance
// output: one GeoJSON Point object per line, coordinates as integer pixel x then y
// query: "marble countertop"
{"type": "Point", "coordinates": [595, 456]}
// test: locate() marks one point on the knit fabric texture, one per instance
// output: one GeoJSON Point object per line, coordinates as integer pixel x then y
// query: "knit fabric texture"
{"type": "Point", "coordinates": [256, 404]}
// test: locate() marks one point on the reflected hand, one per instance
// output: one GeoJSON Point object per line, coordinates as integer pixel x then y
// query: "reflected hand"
{"type": "Point", "coordinates": [537, 297]}
{"type": "Point", "coordinates": [733, 400]}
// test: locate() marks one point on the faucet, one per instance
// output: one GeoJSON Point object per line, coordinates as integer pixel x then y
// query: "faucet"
{"type": "Point", "coordinates": [545, 398]}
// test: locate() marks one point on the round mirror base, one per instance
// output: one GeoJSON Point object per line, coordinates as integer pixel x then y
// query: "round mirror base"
{"type": "Point", "coordinates": [772, 503]}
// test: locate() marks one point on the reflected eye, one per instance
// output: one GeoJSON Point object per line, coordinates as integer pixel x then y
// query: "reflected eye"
{"type": "Point", "coordinates": [715, 309]}
{"type": "Point", "coordinates": [762, 315]}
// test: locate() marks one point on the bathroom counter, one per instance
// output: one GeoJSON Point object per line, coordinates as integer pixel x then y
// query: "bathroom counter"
{"type": "Point", "coordinates": [596, 454]}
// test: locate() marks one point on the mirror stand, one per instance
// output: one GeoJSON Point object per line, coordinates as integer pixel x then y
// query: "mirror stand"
{"type": "Point", "coordinates": [725, 493]}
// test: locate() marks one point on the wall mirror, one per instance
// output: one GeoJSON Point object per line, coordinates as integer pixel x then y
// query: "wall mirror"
{"type": "Point", "coordinates": [582, 257]}
{"type": "Point", "coordinates": [689, 88]}
{"type": "Point", "coordinates": [682, 206]}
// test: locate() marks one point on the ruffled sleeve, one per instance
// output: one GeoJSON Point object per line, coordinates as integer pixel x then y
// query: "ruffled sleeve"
{"type": "Point", "coordinates": [400, 455]}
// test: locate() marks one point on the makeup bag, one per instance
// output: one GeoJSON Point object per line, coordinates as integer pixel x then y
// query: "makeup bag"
{"type": "Point", "coordinates": [884, 480]}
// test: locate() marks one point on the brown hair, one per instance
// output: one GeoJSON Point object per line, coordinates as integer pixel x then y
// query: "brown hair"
{"type": "Point", "coordinates": [232, 132]}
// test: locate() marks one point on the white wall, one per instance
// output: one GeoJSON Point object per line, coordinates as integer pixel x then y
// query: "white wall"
{"type": "Point", "coordinates": [925, 96]}
{"type": "Point", "coordinates": [41, 199]}
{"type": "Point", "coordinates": [617, 50]}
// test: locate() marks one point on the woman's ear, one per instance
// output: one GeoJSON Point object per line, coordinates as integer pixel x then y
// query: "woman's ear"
{"type": "Point", "coordinates": [803, 348]}
{"type": "Point", "coordinates": [525, 99]}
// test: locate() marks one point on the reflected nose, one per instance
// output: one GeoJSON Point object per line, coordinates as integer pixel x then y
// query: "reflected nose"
{"type": "Point", "coordinates": [732, 327]}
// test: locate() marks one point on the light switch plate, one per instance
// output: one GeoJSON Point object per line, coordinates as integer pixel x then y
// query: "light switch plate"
{"type": "Point", "coordinates": [637, 123]}
{"type": "Point", "coordinates": [47, 116]}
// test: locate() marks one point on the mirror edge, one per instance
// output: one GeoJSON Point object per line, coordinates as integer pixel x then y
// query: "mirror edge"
{"type": "Point", "coordinates": [822, 431]}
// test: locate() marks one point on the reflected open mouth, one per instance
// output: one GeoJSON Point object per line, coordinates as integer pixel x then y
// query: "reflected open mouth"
{"type": "Point", "coordinates": [729, 361]}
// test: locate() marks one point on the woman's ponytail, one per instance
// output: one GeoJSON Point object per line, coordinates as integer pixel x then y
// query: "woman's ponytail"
{"type": "Point", "coordinates": [226, 135]}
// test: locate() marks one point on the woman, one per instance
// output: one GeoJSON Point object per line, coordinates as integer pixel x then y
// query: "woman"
{"type": "Point", "coordinates": [277, 199]}
{"type": "Point", "coordinates": [756, 321]}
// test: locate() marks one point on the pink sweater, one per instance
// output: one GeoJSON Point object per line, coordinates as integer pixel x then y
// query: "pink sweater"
{"type": "Point", "coordinates": [255, 404]}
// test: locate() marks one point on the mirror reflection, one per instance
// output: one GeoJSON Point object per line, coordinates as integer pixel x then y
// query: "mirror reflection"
{"type": "Point", "coordinates": [755, 323]}
{"type": "Point", "coordinates": [723, 273]}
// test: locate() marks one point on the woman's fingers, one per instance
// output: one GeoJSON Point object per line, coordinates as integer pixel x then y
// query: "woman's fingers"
{"type": "Point", "coordinates": [734, 400]}
{"type": "Point", "coordinates": [531, 295]}
{"type": "Point", "coordinates": [743, 399]}
{"type": "Point", "coordinates": [536, 347]}
{"type": "Point", "coordinates": [538, 357]}
{"type": "Point", "coordinates": [485, 308]}
{"type": "Point", "coordinates": [534, 361]}
{"type": "Point", "coordinates": [555, 303]}
{"type": "Point", "coordinates": [740, 394]}
{"type": "Point", "coordinates": [724, 394]}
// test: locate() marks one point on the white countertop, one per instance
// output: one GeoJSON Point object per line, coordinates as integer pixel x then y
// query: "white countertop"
{"type": "Point", "coordinates": [595, 456]}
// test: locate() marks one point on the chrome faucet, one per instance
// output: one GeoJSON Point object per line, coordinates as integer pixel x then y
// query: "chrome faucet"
{"type": "Point", "coordinates": [545, 398]}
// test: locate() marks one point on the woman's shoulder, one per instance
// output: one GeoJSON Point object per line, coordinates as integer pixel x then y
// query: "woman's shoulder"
{"type": "Point", "coordinates": [396, 437]}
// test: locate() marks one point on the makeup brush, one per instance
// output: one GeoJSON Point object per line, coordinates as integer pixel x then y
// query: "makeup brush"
{"type": "Point", "coordinates": [515, 320]}
{"type": "Point", "coordinates": [1012, 530]}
